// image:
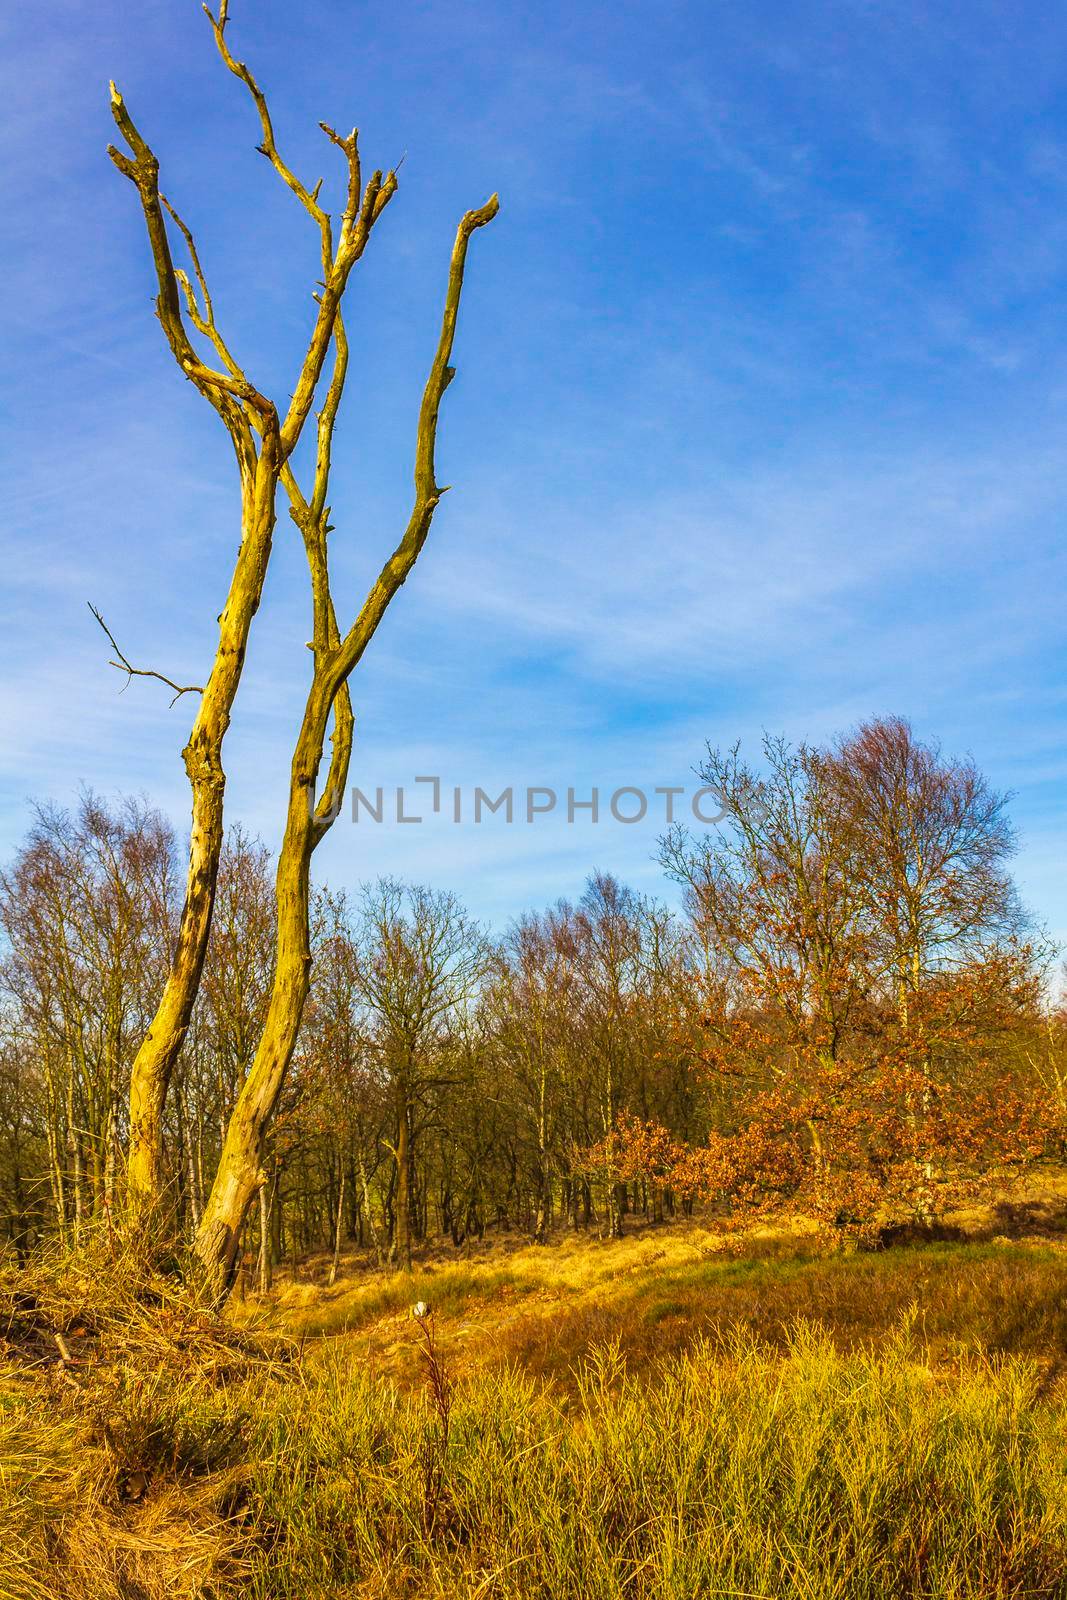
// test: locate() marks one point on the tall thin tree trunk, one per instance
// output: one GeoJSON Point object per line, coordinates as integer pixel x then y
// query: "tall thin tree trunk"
{"type": "Point", "coordinates": [55, 1159]}
{"type": "Point", "coordinates": [337, 1232]}
{"type": "Point", "coordinates": [263, 1275]}
{"type": "Point", "coordinates": [196, 1195]}
{"type": "Point", "coordinates": [402, 1233]}
{"type": "Point", "coordinates": [154, 1063]}
{"type": "Point", "coordinates": [74, 1143]}
{"type": "Point", "coordinates": [368, 1209]}
{"type": "Point", "coordinates": [239, 1174]}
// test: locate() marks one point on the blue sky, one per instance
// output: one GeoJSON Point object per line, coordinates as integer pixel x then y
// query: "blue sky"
{"type": "Point", "coordinates": [760, 419]}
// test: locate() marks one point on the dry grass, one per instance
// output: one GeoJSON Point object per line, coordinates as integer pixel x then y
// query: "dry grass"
{"type": "Point", "coordinates": [96, 1355]}
{"type": "Point", "coordinates": [664, 1417]}
{"type": "Point", "coordinates": [659, 1291]}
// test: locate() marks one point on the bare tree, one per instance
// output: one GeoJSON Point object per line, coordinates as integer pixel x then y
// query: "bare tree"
{"type": "Point", "coordinates": [264, 439]}
{"type": "Point", "coordinates": [933, 839]}
{"type": "Point", "coordinates": [777, 891]}
{"type": "Point", "coordinates": [86, 909]}
{"type": "Point", "coordinates": [530, 1002]}
{"type": "Point", "coordinates": [420, 958]}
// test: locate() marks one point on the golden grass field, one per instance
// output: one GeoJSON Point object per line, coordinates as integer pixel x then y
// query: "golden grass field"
{"type": "Point", "coordinates": [675, 1414]}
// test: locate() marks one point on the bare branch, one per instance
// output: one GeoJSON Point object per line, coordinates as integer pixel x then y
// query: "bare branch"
{"type": "Point", "coordinates": [309, 198]}
{"type": "Point", "coordinates": [221, 389]}
{"type": "Point", "coordinates": [142, 672]}
{"type": "Point", "coordinates": [427, 491]}
{"type": "Point", "coordinates": [190, 245]}
{"type": "Point", "coordinates": [203, 322]}
{"type": "Point", "coordinates": [327, 636]}
{"type": "Point", "coordinates": [312, 518]}
{"type": "Point", "coordinates": [350, 147]}
{"type": "Point", "coordinates": [363, 207]}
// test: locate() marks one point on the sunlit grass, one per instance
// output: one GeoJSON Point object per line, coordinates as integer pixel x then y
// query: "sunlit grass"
{"type": "Point", "coordinates": [657, 1292]}
{"type": "Point", "coordinates": [734, 1470]}
{"type": "Point", "coordinates": [656, 1418]}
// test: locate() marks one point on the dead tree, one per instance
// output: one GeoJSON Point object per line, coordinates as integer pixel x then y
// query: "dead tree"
{"type": "Point", "coordinates": [264, 438]}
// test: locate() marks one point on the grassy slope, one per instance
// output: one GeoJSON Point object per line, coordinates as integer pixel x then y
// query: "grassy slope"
{"type": "Point", "coordinates": [641, 1419]}
{"type": "Point", "coordinates": [657, 1291]}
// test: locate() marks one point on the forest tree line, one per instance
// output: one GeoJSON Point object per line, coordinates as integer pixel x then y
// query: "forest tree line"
{"type": "Point", "coordinates": [851, 1016]}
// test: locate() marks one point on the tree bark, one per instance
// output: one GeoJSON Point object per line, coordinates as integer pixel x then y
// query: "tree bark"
{"type": "Point", "coordinates": [238, 1175]}
{"type": "Point", "coordinates": [337, 1232]}
{"type": "Point", "coordinates": [402, 1226]}
{"type": "Point", "coordinates": [155, 1060]}
{"type": "Point", "coordinates": [264, 1272]}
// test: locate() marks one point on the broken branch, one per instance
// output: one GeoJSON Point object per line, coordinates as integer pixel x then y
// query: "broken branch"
{"type": "Point", "coordinates": [142, 672]}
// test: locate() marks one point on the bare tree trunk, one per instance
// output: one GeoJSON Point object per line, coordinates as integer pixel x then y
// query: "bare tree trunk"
{"type": "Point", "coordinates": [544, 1191]}
{"type": "Point", "coordinates": [541, 1214]}
{"type": "Point", "coordinates": [156, 1058]}
{"type": "Point", "coordinates": [59, 1196]}
{"type": "Point", "coordinates": [74, 1143]}
{"type": "Point", "coordinates": [402, 1226]}
{"type": "Point", "coordinates": [264, 1274]}
{"type": "Point", "coordinates": [245, 413]}
{"type": "Point", "coordinates": [368, 1208]}
{"type": "Point", "coordinates": [239, 1175]}
{"type": "Point", "coordinates": [337, 1232]}
{"type": "Point", "coordinates": [111, 1153]}
{"type": "Point", "coordinates": [193, 1180]}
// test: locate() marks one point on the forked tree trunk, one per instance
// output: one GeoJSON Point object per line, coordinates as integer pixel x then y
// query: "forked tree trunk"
{"type": "Point", "coordinates": [246, 414]}
{"type": "Point", "coordinates": [239, 1172]}
{"type": "Point", "coordinates": [154, 1063]}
